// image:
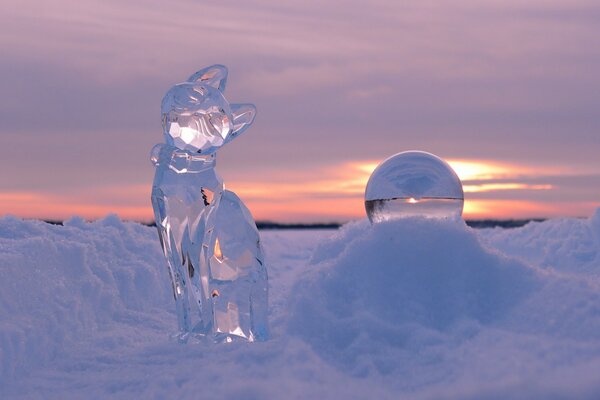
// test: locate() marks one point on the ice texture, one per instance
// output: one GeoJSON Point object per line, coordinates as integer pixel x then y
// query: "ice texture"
{"type": "Point", "coordinates": [185, 186]}
{"type": "Point", "coordinates": [208, 236]}
{"type": "Point", "coordinates": [238, 277]}
{"type": "Point", "coordinates": [426, 309]}
{"type": "Point", "coordinates": [197, 117]}
{"type": "Point", "coordinates": [413, 183]}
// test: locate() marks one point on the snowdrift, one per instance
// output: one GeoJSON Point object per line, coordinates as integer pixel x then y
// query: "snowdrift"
{"type": "Point", "coordinates": [61, 284]}
{"type": "Point", "coordinates": [396, 285]}
{"type": "Point", "coordinates": [421, 309]}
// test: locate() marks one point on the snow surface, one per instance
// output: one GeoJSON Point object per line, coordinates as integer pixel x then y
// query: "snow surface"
{"type": "Point", "coordinates": [422, 309]}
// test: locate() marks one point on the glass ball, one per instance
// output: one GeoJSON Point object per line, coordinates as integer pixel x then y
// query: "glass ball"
{"type": "Point", "coordinates": [413, 183]}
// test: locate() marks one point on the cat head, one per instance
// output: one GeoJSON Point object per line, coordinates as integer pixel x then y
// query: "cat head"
{"type": "Point", "coordinates": [197, 118]}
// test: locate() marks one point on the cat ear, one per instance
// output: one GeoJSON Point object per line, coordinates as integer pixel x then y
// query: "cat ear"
{"type": "Point", "coordinates": [243, 116]}
{"type": "Point", "coordinates": [215, 76]}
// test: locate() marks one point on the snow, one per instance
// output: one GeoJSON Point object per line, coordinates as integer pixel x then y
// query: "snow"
{"type": "Point", "coordinates": [423, 309]}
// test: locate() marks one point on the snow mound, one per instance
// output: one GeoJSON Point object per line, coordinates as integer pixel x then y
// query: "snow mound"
{"type": "Point", "coordinates": [568, 244]}
{"type": "Point", "coordinates": [400, 285]}
{"type": "Point", "coordinates": [60, 283]}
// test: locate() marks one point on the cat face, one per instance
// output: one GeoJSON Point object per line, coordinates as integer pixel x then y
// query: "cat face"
{"type": "Point", "coordinates": [196, 116]}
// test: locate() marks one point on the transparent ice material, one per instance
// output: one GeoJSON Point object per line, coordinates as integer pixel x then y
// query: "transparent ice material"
{"type": "Point", "coordinates": [413, 183]}
{"type": "Point", "coordinates": [197, 117]}
{"type": "Point", "coordinates": [208, 236]}
{"type": "Point", "coordinates": [238, 277]}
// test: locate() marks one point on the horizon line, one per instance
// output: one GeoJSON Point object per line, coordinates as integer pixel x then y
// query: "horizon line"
{"type": "Point", "coordinates": [272, 225]}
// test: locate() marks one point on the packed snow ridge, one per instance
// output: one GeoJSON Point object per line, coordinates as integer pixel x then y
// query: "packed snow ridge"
{"type": "Point", "coordinates": [419, 308]}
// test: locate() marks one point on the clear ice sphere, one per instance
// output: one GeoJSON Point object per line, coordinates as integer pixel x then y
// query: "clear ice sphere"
{"type": "Point", "coordinates": [413, 183]}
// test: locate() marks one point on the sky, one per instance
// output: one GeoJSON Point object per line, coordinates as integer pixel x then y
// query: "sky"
{"type": "Point", "coordinates": [507, 91]}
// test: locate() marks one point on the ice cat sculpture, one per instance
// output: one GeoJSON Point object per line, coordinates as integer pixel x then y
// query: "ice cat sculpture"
{"type": "Point", "coordinates": [208, 236]}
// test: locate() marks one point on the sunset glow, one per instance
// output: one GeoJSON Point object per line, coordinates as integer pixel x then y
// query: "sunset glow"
{"type": "Point", "coordinates": [326, 194]}
{"type": "Point", "coordinates": [477, 170]}
{"type": "Point", "coordinates": [338, 192]}
{"type": "Point", "coordinates": [82, 107]}
{"type": "Point", "coordinates": [490, 187]}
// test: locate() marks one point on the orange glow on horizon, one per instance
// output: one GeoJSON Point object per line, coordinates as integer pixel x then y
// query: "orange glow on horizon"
{"type": "Point", "coordinates": [476, 170]}
{"type": "Point", "coordinates": [490, 187]}
{"type": "Point", "coordinates": [50, 207]}
{"type": "Point", "coordinates": [325, 194]}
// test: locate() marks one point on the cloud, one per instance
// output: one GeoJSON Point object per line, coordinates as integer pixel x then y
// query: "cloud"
{"type": "Point", "coordinates": [503, 80]}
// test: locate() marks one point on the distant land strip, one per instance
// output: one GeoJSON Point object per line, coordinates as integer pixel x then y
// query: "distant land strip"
{"type": "Point", "coordinates": [266, 225]}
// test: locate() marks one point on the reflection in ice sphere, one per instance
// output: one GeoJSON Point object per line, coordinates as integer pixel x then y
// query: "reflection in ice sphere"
{"type": "Point", "coordinates": [413, 183]}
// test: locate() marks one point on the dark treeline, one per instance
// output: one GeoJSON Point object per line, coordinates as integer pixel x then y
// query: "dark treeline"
{"type": "Point", "coordinates": [473, 223]}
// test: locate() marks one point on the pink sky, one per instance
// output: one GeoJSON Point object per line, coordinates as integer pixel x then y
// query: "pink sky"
{"type": "Point", "coordinates": [339, 86]}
